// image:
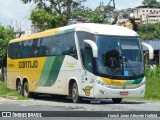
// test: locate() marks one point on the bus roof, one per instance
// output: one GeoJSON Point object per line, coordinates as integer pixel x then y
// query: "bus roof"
{"type": "Point", "coordinates": [88, 27]}
{"type": "Point", "coordinates": [102, 29]}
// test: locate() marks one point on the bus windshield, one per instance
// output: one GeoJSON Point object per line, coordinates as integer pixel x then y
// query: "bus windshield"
{"type": "Point", "coordinates": [119, 56]}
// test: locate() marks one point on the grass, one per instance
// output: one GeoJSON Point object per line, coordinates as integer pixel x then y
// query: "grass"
{"type": "Point", "coordinates": [12, 94]}
{"type": "Point", "coordinates": [152, 83]}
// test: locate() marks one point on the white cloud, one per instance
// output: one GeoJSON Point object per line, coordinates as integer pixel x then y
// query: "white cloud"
{"type": "Point", "coordinates": [122, 4]}
{"type": "Point", "coordinates": [12, 11]}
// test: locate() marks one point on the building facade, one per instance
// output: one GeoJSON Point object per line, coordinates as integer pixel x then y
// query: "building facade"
{"type": "Point", "coordinates": [147, 14]}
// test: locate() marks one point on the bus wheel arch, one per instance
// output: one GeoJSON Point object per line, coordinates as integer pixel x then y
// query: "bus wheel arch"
{"type": "Point", "coordinates": [74, 91]}
{"type": "Point", "coordinates": [18, 86]}
{"type": "Point", "coordinates": [70, 86]}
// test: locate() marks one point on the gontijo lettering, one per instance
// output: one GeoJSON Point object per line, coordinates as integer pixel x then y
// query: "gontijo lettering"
{"type": "Point", "coordinates": [28, 64]}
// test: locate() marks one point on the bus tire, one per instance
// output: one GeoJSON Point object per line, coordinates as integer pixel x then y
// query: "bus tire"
{"type": "Point", "coordinates": [117, 100]}
{"type": "Point", "coordinates": [26, 92]}
{"type": "Point", "coordinates": [19, 87]}
{"type": "Point", "coordinates": [75, 95]}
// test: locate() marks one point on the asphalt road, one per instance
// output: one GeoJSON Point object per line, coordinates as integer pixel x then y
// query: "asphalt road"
{"type": "Point", "coordinates": [85, 110]}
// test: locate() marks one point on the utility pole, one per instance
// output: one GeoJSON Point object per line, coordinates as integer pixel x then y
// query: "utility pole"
{"type": "Point", "coordinates": [113, 8]}
{"type": "Point", "coordinates": [19, 32]}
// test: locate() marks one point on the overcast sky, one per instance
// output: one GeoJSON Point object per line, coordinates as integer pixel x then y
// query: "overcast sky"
{"type": "Point", "coordinates": [13, 11]}
{"type": "Point", "coordinates": [120, 4]}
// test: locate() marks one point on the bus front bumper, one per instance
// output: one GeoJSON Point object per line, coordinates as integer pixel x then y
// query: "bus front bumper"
{"type": "Point", "coordinates": [106, 92]}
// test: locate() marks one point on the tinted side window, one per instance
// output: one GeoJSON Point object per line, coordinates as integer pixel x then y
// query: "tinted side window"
{"type": "Point", "coordinates": [88, 62]}
{"type": "Point", "coordinates": [10, 50]}
{"type": "Point", "coordinates": [81, 37]}
{"type": "Point", "coordinates": [69, 41]}
{"type": "Point", "coordinates": [35, 47]}
{"type": "Point", "coordinates": [57, 45]}
{"type": "Point", "coordinates": [20, 50]}
{"type": "Point", "coordinates": [63, 44]}
{"type": "Point", "coordinates": [17, 50]}
{"type": "Point", "coordinates": [26, 50]}
{"type": "Point", "coordinates": [44, 47]}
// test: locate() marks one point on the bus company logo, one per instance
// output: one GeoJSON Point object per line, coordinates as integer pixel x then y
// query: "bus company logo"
{"type": "Point", "coordinates": [28, 64]}
{"type": "Point", "coordinates": [87, 90]}
{"type": "Point", "coordinates": [124, 86]}
{"type": "Point", "coordinates": [116, 82]}
{"type": "Point", "coordinates": [71, 64]}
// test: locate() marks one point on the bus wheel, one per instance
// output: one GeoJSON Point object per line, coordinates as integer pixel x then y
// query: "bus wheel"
{"type": "Point", "coordinates": [75, 96]}
{"type": "Point", "coordinates": [19, 87]}
{"type": "Point", "coordinates": [26, 90]}
{"type": "Point", "coordinates": [117, 100]}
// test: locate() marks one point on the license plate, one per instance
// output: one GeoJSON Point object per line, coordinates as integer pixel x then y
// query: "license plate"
{"type": "Point", "coordinates": [124, 93]}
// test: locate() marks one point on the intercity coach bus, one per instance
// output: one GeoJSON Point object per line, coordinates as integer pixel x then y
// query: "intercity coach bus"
{"type": "Point", "coordinates": [83, 60]}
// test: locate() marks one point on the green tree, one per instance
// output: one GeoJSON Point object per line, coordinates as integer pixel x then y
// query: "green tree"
{"type": "Point", "coordinates": [125, 15]}
{"type": "Point", "coordinates": [149, 31]}
{"type": "Point", "coordinates": [89, 16]}
{"type": "Point", "coordinates": [95, 16]}
{"type": "Point", "coordinates": [151, 2]}
{"type": "Point", "coordinates": [45, 20]}
{"type": "Point", "coordinates": [55, 13]}
{"type": "Point", "coordinates": [6, 34]}
{"type": "Point", "coordinates": [52, 13]}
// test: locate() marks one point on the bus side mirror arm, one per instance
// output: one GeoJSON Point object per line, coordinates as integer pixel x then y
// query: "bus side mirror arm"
{"type": "Point", "coordinates": [93, 46]}
{"type": "Point", "coordinates": [151, 51]}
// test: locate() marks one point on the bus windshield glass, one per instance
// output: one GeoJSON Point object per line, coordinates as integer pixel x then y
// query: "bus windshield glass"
{"type": "Point", "coordinates": [119, 56]}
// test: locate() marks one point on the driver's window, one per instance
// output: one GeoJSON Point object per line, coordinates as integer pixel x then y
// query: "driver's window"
{"type": "Point", "coordinates": [88, 58]}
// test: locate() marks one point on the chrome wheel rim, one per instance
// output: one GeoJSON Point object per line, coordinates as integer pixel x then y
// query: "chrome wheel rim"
{"type": "Point", "coordinates": [74, 93]}
{"type": "Point", "coordinates": [25, 91]}
{"type": "Point", "coordinates": [19, 88]}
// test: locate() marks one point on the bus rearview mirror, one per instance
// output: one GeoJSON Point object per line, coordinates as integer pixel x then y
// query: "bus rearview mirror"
{"type": "Point", "coordinates": [93, 46]}
{"type": "Point", "coordinates": [150, 48]}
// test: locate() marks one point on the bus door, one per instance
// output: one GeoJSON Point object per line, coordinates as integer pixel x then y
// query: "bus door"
{"type": "Point", "coordinates": [88, 77]}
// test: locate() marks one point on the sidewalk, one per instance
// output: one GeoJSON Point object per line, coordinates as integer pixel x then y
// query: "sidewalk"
{"type": "Point", "coordinates": [10, 99]}
{"type": "Point", "coordinates": [2, 99]}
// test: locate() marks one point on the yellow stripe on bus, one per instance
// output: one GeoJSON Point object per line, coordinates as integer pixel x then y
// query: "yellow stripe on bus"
{"type": "Point", "coordinates": [38, 35]}
{"type": "Point", "coordinates": [113, 81]}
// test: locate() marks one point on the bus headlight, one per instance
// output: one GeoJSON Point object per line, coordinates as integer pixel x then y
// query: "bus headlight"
{"type": "Point", "coordinates": [142, 83]}
{"type": "Point", "coordinates": [101, 83]}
